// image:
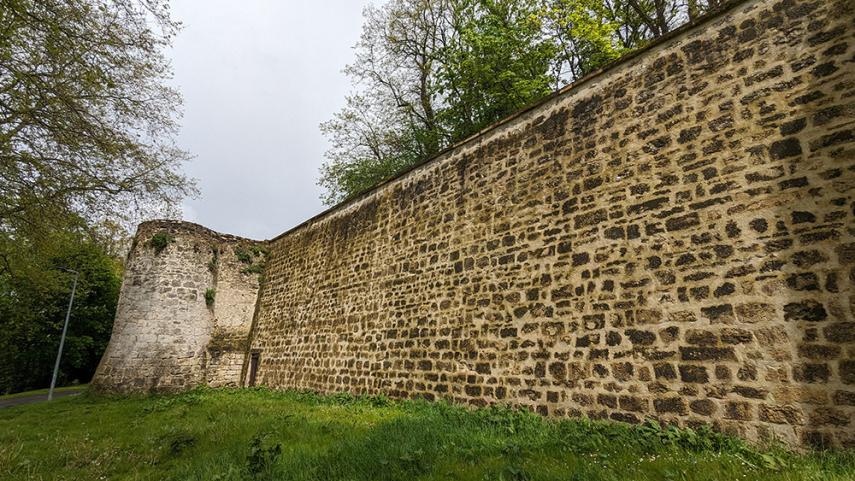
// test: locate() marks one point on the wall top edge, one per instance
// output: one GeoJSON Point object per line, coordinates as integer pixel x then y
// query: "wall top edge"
{"type": "Point", "coordinates": [191, 228]}
{"type": "Point", "coordinates": [687, 28]}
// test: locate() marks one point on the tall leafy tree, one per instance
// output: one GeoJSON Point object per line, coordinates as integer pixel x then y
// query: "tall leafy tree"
{"type": "Point", "coordinates": [34, 292]}
{"type": "Point", "coordinates": [87, 126]}
{"type": "Point", "coordinates": [370, 142]}
{"type": "Point", "coordinates": [430, 72]}
{"type": "Point", "coordinates": [392, 121]}
{"type": "Point", "coordinates": [586, 34]}
{"type": "Point", "coordinates": [500, 62]}
{"type": "Point", "coordinates": [86, 119]}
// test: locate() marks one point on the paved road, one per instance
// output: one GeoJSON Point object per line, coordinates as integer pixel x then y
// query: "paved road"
{"type": "Point", "coordinates": [7, 403]}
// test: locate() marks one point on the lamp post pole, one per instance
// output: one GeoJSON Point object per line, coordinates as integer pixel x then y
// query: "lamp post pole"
{"type": "Point", "coordinates": [64, 330]}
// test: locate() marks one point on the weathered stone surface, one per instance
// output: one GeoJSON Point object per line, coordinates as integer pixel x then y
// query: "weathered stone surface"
{"type": "Point", "coordinates": [681, 249]}
{"type": "Point", "coordinates": [739, 410]}
{"type": "Point", "coordinates": [812, 373]}
{"type": "Point", "coordinates": [823, 416]}
{"type": "Point", "coordinates": [704, 407]}
{"type": "Point", "coordinates": [781, 414]}
{"type": "Point", "coordinates": [670, 405]}
{"type": "Point", "coordinates": [841, 332]}
{"type": "Point", "coordinates": [694, 374]}
{"type": "Point", "coordinates": [847, 371]}
{"type": "Point", "coordinates": [166, 337]}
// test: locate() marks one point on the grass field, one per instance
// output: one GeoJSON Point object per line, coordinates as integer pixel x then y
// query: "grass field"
{"type": "Point", "coordinates": [211, 435]}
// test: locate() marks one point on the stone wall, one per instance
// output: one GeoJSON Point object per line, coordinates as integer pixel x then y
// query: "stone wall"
{"type": "Point", "coordinates": [166, 335]}
{"type": "Point", "coordinates": [671, 238]}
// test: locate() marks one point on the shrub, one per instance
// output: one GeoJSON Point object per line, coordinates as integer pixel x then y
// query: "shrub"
{"type": "Point", "coordinates": [253, 269]}
{"type": "Point", "coordinates": [259, 250]}
{"type": "Point", "coordinates": [212, 264]}
{"type": "Point", "coordinates": [209, 297]}
{"type": "Point", "coordinates": [243, 255]}
{"type": "Point", "coordinates": [262, 456]}
{"type": "Point", "coordinates": [160, 241]}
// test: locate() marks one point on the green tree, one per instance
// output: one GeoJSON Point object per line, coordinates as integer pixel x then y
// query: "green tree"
{"type": "Point", "coordinates": [500, 62]}
{"type": "Point", "coordinates": [586, 35]}
{"type": "Point", "coordinates": [370, 142]}
{"type": "Point", "coordinates": [391, 122]}
{"type": "Point", "coordinates": [86, 119]}
{"type": "Point", "coordinates": [87, 127]}
{"type": "Point", "coordinates": [431, 72]}
{"type": "Point", "coordinates": [34, 295]}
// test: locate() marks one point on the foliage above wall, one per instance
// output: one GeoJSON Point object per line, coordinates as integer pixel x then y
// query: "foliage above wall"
{"type": "Point", "coordinates": [431, 72]}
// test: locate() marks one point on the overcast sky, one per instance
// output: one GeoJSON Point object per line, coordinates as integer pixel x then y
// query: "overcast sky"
{"type": "Point", "coordinates": [258, 76]}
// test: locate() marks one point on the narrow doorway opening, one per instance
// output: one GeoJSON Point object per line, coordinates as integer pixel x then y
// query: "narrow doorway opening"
{"type": "Point", "coordinates": [253, 367]}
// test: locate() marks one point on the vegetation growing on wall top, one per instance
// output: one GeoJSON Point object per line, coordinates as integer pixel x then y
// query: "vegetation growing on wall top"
{"type": "Point", "coordinates": [256, 268]}
{"type": "Point", "coordinates": [250, 256]}
{"type": "Point", "coordinates": [160, 241]}
{"type": "Point", "coordinates": [431, 73]}
{"type": "Point", "coordinates": [243, 254]}
{"type": "Point", "coordinates": [259, 250]}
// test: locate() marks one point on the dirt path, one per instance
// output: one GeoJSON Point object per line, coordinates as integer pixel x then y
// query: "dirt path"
{"type": "Point", "coordinates": [7, 403]}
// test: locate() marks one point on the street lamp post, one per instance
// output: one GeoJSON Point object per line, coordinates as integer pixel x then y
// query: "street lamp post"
{"type": "Point", "coordinates": [64, 330]}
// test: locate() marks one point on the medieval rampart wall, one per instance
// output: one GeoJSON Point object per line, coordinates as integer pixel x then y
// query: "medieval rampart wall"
{"type": "Point", "coordinates": [673, 238]}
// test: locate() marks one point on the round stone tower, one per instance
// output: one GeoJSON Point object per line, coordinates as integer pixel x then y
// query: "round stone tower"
{"type": "Point", "coordinates": [184, 311]}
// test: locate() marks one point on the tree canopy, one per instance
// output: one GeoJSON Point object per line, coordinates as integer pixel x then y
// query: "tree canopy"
{"type": "Point", "coordinates": [87, 120]}
{"type": "Point", "coordinates": [34, 294]}
{"type": "Point", "coordinates": [87, 127]}
{"type": "Point", "coordinates": [428, 73]}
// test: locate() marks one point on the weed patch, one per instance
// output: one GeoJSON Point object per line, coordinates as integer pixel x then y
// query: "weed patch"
{"type": "Point", "coordinates": [263, 455]}
{"type": "Point", "coordinates": [243, 255]}
{"type": "Point", "coordinates": [253, 269]}
{"type": "Point", "coordinates": [214, 262]}
{"type": "Point", "coordinates": [160, 241]}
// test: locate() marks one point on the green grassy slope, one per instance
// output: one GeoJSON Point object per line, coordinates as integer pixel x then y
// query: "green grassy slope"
{"type": "Point", "coordinates": [256, 435]}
